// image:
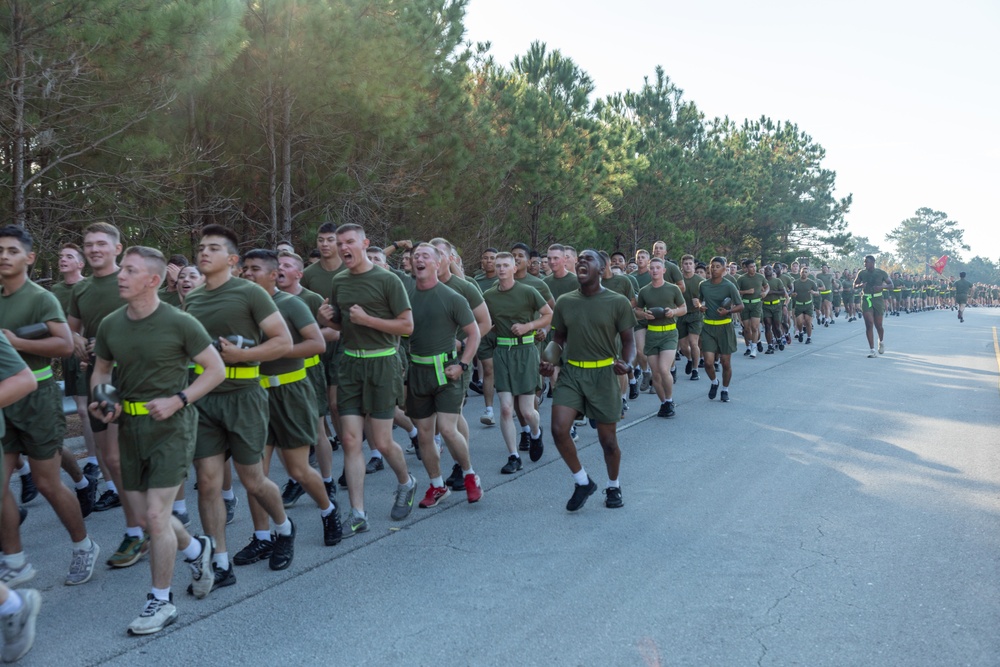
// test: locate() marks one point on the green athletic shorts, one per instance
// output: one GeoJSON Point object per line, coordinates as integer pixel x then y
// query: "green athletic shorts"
{"type": "Point", "coordinates": [515, 369]}
{"type": "Point", "coordinates": [487, 345]}
{"type": "Point", "coordinates": [751, 310]}
{"type": "Point", "coordinates": [331, 362]}
{"type": "Point", "coordinates": [772, 311]}
{"type": "Point", "coordinates": [316, 376]}
{"type": "Point", "coordinates": [292, 416]}
{"type": "Point", "coordinates": [804, 310]}
{"type": "Point", "coordinates": [35, 425]}
{"type": "Point", "coordinates": [424, 397]}
{"type": "Point", "coordinates": [157, 454]}
{"type": "Point", "coordinates": [875, 304]}
{"type": "Point", "coordinates": [74, 379]}
{"type": "Point", "coordinates": [689, 325]}
{"type": "Point", "coordinates": [234, 422]}
{"type": "Point", "coordinates": [593, 391]}
{"type": "Point", "coordinates": [371, 387]}
{"type": "Point", "coordinates": [718, 338]}
{"type": "Point", "coordinates": [660, 341]}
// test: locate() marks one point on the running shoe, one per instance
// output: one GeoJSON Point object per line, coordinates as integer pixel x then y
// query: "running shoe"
{"type": "Point", "coordinates": [580, 495]}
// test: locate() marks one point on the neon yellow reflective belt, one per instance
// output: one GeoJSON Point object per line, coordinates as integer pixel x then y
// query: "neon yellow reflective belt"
{"type": "Point", "coordinates": [803, 303]}
{"type": "Point", "coordinates": [134, 408]}
{"type": "Point", "coordinates": [43, 373]}
{"type": "Point", "coordinates": [312, 361]}
{"type": "Point", "coordinates": [825, 292]}
{"type": "Point", "coordinates": [437, 361]}
{"type": "Point", "coordinates": [719, 322]}
{"type": "Point", "coordinates": [235, 372]}
{"type": "Point", "coordinates": [370, 354]}
{"type": "Point", "coordinates": [661, 327]}
{"type": "Point", "coordinates": [510, 342]}
{"type": "Point", "coordinates": [773, 303]}
{"type": "Point", "coordinates": [751, 300]}
{"type": "Point", "coordinates": [600, 363]}
{"type": "Point", "coordinates": [284, 378]}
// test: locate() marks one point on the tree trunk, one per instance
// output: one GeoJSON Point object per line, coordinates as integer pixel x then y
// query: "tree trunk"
{"type": "Point", "coordinates": [18, 204]}
{"type": "Point", "coordinates": [286, 163]}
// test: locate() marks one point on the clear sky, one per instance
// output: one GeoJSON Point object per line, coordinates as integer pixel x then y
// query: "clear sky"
{"type": "Point", "coordinates": [904, 96]}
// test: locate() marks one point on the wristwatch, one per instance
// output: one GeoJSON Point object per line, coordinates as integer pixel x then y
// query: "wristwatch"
{"type": "Point", "coordinates": [464, 366]}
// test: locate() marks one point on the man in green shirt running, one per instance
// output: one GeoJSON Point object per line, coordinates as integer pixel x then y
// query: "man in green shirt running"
{"type": "Point", "coordinates": [594, 327]}
{"type": "Point", "coordinates": [962, 289]}
{"type": "Point", "coordinates": [661, 336]}
{"type": "Point", "coordinates": [873, 283]}
{"type": "Point", "coordinates": [718, 298]}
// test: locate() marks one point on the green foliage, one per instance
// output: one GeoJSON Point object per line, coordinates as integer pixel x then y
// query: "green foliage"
{"type": "Point", "coordinates": [920, 240]}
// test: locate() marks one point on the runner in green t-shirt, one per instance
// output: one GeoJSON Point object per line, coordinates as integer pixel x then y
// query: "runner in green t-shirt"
{"type": "Point", "coordinates": [962, 289]}
{"type": "Point", "coordinates": [370, 307]}
{"type": "Point", "coordinates": [825, 281]}
{"type": "Point", "coordinates": [291, 402]}
{"type": "Point", "coordinates": [718, 298]}
{"type": "Point", "coordinates": [594, 326]}
{"type": "Point", "coordinates": [560, 281]}
{"type": "Point", "coordinates": [803, 290]}
{"type": "Point", "coordinates": [773, 303]}
{"type": "Point", "coordinates": [518, 312]}
{"type": "Point", "coordinates": [873, 283]}
{"type": "Point", "coordinates": [151, 342]}
{"type": "Point", "coordinates": [34, 426]}
{"type": "Point", "coordinates": [232, 418]}
{"type": "Point", "coordinates": [689, 327]}
{"type": "Point", "coordinates": [661, 336]}
{"type": "Point", "coordinates": [753, 289]}
{"type": "Point", "coordinates": [436, 386]}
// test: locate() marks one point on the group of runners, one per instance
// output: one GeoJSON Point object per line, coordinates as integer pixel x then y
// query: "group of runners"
{"type": "Point", "coordinates": [220, 363]}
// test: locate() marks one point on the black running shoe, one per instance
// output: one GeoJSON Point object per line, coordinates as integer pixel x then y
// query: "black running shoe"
{"type": "Point", "coordinates": [760, 346]}
{"type": "Point", "coordinates": [781, 347]}
{"type": "Point", "coordinates": [613, 497]}
{"type": "Point", "coordinates": [222, 578]}
{"type": "Point", "coordinates": [694, 374]}
{"type": "Point", "coordinates": [633, 391]}
{"type": "Point", "coordinates": [291, 493]}
{"type": "Point", "coordinates": [724, 396]}
{"type": "Point", "coordinates": [524, 445]}
{"type": "Point", "coordinates": [284, 551]}
{"type": "Point", "coordinates": [456, 480]}
{"type": "Point", "coordinates": [770, 349]}
{"type": "Point", "coordinates": [28, 489]}
{"type": "Point", "coordinates": [108, 501]}
{"type": "Point", "coordinates": [809, 340]}
{"type": "Point", "coordinates": [747, 353]}
{"type": "Point", "coordinates": [712, 391]}
{"type": "Point", "coordinates": [512, 466]}
{"type": "Point", "coordinates": [673, 374]}
{"type": "Point", "coordinates": [87, 497]}
{"type": "Point", "coordinates": [580, 495]}
{"type": "Point", "coordinates": [254, 552]}
{"type": "Point", "coordinates": [92, 470]}
{"type": "Point", "coordinates": [342, 480]}
{"type": "Point", "coordinates": [331, 491]}
{"type": "Point", "coordinates": [415, 444]}
{"type": "Point", "coordinates": [687, 368]}
{"type": "Point", "coordinates": [476, 387]}
{"type": "Point", "coordinates": [535, 448]}
{"type": "Point", "coordinates": [375, 464]}
{"type": "Point", "coordinates": [666, 410]}
{"type": "Point", "coordinates": [333, 530]}
{"type": "Point", "coordinates": [701, 363]}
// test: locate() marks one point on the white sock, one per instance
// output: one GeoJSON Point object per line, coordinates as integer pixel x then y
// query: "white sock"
{"type": "Point", "coordinates": [82, 484]}
{"type": "Point", "coordinates": [90, 459]}
{"type": "Point", "coordinates": [376, 454]}
{"type": "Point", "coordinates": [83, 545]}
{"type": "Point", "coordinates": [283, 529]}
{"type": "Point", "coordinates": [227, 494]}
{"type": "Point", "coordinates": [613, 484]}
{"type": "Point", "coordinates": [180, 506]}
{"type": "Point", "coordinates": [134, 531]}
{"type": "Point", "coordinates": [111, 486]}
{"type": "Point", "coordinates": [413, 433]}
{"type": "Point", "coordinates": [221, 560]}
{"type": "Point", "coordinates": [581, 477]}
{"type": "Point", "coordinates": [437, 482]}
{"type": "Point", "coordinates": [12, 605]}
{"type": "Point", "coordinates": [162, 594]}
{"type": "Point", "coordinates": [192, 551]}
{"type": "Point", "coordinates": [262, 535]}
{"type": "Point", "coordinates": [328, 511]}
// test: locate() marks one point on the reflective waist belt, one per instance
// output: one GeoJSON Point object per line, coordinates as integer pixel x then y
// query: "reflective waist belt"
{"type": "Point", "coordinates": [510, 342]}
{"type": "Point", "coordinates": [897, 289]}
{"type": "Point", "coordinates": [601, 363]}
{"type": "Point", "coordinates": [772, 303]}
{"type": "Point", "coordinates": [718, 322]}
{"type": "Point", "coordinates": [284, 378]}
{"type": "Point", "coordinates": [370, 354]}
{"type": "Point", "coordinates": [134, 408]}
{"type": "Point", "coordinates": [235, 372]}
{"type": "Point", "coordinates": [43, 373]}
{"type": "Point", "coordinates": [312, 361]}
{"type": "Point", "coordinates": [803, 303]}
{"type": "Point", "coordinates": [875, 294]}
{"type": "Point", "coordinates": [437, 361]}
{"type": "Point", "coordinates": [825, 292]}
{"type": "Point", "coordinates": [661, 327]}
{"type": "Point", "coordinates": [751, 300]}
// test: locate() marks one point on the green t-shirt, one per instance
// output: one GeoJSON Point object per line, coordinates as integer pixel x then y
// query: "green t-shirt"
{"type": "Point", "coordinates": [317, 279]}
{"type": "Point", "coordinates": [297, 317]}
{"type": "Point", "coordinates": [635, 282]}
{"type": "Point", "coordinates": [538, 284]}
{"type": "Point", "coordinates": [801, 290]}
{"type": "Point", "coordinates": [11, 364]}
{"type": "Point", "coordinates": [381, 294]}
{"type": "Point", "coordinates": [311, 299]}
{"type": "Point", "coordinates": [667, 295]}
{"type": "Point", "coordinates": [235, 308]}
{"type": "Point", "coordinates": [564, 285]}
{"type": "Point", "coordinates": [776, 287]}
{"type": "Point", "coordinates": [173, 298]}
{"type": "Point", "coordinates": [620, 284]}
{"type": "Point", "coordinates": [691, 286]}
{"type": "Point", "coordinates": [826, 279]}
{"type": "Point", "coordinates": [642, 279]}
{"type": "Point", "coordinates": [484, 282]}
{"type": "Point", "coordinates": [962, 288]}
{"type": "Point", "coordinates": [788, 279]}
{"type": "Point", "coordinates": [152, 353]}
{"type": "Point", "coordinates": [731, 278]}
{"type": "Point", "coordinates": [63, 293]}
{"type": "Point", "coordinates": [672, 273]}
{"type": "Point", "coordinates": [871, 281]}
{"type": "Point", "coordinates": [516, 305]}
{"type": "Point", "coordinates": [755, 282]}
{"type": "Point", "coordinates": [438, 314]}
{"type": "Point", "coordinates": [94, 299]}
{"type": "Point", "coordinates": [30, 304]}
{"type": "Point", "coordinates": [404, 277]}
{"type": "Point", "coordinates": [592, 324]}
{"type": "Point", "coordinates": [468, 290]}
{"type": "Point", "coordinates": [712, 295]}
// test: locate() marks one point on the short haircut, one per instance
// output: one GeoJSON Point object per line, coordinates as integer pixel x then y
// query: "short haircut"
{"type": "Point", "coordinates": [104, 228]}
{"type": "Point", "coordinates": [719, 259]}
{"type": "Point", "coordinates": [74, 247]}
{"type": "Point", "coordinates": [504, 255]}
{"type": "Point", "coordinates": [431, 244]}
{"type": "Point", "coordinates": [233, 241]}
{"type": "Point", "coordinates": [440, 240]}
{"type": "Point", "coordinates": [155, 261]}
{"type": "Point", "coordinates": [298, 260]}
{"type": "Point", "coordinates": [327, 228]}
{"type": "Point", "coordinates": [178, 260]}
{"type": "Point", "coordinates": [269, 257]}
{"type": "Point", "coordinates": [871, 257]}
{"type": "Point", "coordinates": [602, 257]}
{"type": "Point", "coordinates": [691, 257]}
{"type": "Point", "coordinates": [656, 260]}
{"type": "Point", "coordinates": [961, 274]}
{"type": "Point", "coordinates": [618, 252]}
{"type": "Point", "coordinates": [520, 246]}
{"type": "Point", "coordinates": [534, 253]}
{"type": "Point", "coordinates": [374, 249]}
{"type": "Point", "coordinates": [557, 246]}
{"type": "Point", "coordinates": [641, 251]}
{"type": "Point", "coordinates": [491, 249]}
{"type": "Point", "coordinates": [314, 253]}
{"type": "Point", "coordinates": [351, 227]}
{"type": "Point", "coordinates": [19, 234]}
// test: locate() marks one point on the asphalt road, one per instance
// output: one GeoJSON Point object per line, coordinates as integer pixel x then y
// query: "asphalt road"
{"type": "Point", "coordinates": [839, 511]}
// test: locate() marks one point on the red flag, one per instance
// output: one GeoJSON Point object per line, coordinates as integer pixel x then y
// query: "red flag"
{"type": "Point", "coordinates": [940, 264]}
